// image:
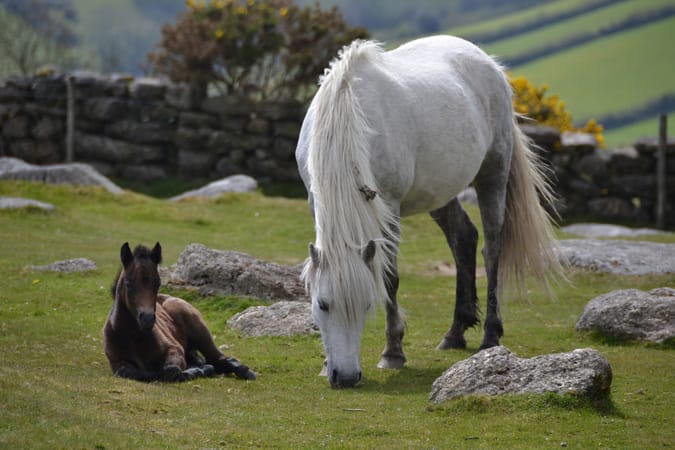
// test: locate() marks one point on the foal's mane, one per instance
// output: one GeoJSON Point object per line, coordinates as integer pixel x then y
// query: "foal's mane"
{"type": "Point", "coordinates": [347, 216]}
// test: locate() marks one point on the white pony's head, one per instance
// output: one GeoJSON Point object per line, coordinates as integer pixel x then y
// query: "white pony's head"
{"type": "Point", "coordinates": [341, 299]}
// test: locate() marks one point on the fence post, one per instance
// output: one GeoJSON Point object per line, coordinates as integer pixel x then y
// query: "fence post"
{"type": "Point", "coordinates": [661, 173]}
{"type": "Point", "coordinates": [70, 119]}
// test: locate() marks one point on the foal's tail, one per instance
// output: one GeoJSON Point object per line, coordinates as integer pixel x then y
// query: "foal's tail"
{"type": "Point", "coordinates": [528, 241]}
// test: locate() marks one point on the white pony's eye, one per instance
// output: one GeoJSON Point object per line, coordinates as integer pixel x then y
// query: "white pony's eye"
{"type": "Point", "coordinates": [323, 306]}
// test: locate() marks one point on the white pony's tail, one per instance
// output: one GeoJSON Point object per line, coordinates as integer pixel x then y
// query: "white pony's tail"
{"type": "Point", "coordinates": [528, 240]}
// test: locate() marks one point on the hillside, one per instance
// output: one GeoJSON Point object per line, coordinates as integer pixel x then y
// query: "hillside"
{"type": "Point", "coordinates": [620, 67]}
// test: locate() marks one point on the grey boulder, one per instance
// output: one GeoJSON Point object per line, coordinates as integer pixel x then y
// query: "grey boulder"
{"type": "Point", "coordinates": [24, 203]}
{"type": "Point", "coordinates": [279, 319]}
{"type": "Point", "coordinates": [620, 257]}
{"type": "Point", "coordinates": [72, 173]}
{"type": "Point", "coordinates": [68, 265]}
{"type": "Point", "coordinates": [497, 371]}
{"type": "Point", "coordinates": [234, 183]}
{"type": "Point", "coordinates": [226, 272]}
{"type": "Point", "coordinates": [632, 314]}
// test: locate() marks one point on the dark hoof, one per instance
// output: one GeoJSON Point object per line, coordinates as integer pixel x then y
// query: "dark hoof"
{"type": "Point", "coordinates": [247, 375]}
{"type": "Point", "coordinates": [208, 370]}
{"type": "Point", "coordinates": [239, 369]}
{"type": "Point", "coordinates": [450, 342]}
{"type": "Point", "coordinates": [486, 345]}
{"type": "Point", "coordinates": [172, 373]}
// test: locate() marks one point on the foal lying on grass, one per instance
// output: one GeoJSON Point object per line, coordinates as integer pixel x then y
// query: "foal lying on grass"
{"type": "Point", "coordinates": [150, 336]}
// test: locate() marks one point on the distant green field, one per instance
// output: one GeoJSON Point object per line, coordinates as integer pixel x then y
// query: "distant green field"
{"type": "Point", "coordinates": [610, 75]}
{"type": "Point", "coordinates": [586, 23]}
{"type": "Point", "coordinates": [627, 135]}
{"type": "Point", "coordinates": [510, 20]}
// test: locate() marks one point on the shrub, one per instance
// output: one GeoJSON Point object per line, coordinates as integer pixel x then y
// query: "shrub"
{"type": "Point", "coordinates": [548, 109]}
{"type": "Point", "coordinates": [263, 49]}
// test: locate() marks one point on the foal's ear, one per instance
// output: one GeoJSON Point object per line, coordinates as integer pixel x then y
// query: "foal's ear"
{"type": "Point", "coordinates": [314, 254]}
{"type": "Point", "coordinates": [156, 254]}
{"type": "Point", "coordinates": [369, 252]}
{"type": "Point", "coordinates": [125, 255]}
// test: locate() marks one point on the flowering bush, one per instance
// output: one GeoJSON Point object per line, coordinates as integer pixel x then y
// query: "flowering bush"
{"type": "Point", "coordinates": [534, 103]}
{"type": "Point", "coordinates": [264, 48]}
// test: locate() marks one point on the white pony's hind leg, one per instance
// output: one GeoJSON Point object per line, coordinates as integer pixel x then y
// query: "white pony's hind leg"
{"type": "Point", "coordinates": [462, 238]}
{"type": "Point", "coordinates": [491, 189]}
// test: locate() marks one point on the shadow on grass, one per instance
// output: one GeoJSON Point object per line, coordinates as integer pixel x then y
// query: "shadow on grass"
{"type": "Point", "coordinates": [617, 341]}
{"type": "Point", "coordinates": [507, 404]}
{"type": "Point", "coordinates": [413, 379]}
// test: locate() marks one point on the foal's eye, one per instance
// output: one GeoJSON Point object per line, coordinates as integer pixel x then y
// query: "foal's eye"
{"type": "Point", "coordinates": [323, 306]}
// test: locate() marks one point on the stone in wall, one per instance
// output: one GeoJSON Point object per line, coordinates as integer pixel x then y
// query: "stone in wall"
{"type": "Point", "coordinates": [140, 132]}
{"type": "Point", "coordinates": [104, 108]}
{"type": "Point", "coordinates": [48, 128]}
{"type": "Point", "coordinates": [147, 89]}
{"type": "Point", "coordinates": [91, 147]}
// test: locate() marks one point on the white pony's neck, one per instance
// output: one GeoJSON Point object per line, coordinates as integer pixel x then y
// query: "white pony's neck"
{"type": "Point", "coordinates": [339, 168]}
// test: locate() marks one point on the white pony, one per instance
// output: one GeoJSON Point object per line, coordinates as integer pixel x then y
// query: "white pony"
{"type": "Point", "coordinates": [402, 132]}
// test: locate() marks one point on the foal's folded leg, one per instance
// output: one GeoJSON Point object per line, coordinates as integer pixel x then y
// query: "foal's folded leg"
{"type": "Point", "coordinates": [231, 365]}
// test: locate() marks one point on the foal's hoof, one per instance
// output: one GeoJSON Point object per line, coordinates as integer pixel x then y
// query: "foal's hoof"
{"type": "Point", "coordinates": [239, 369]}
{"type": "Point", "coordinates": [172, 373]}
{"type": "Point", "coordinates": [391, 362]}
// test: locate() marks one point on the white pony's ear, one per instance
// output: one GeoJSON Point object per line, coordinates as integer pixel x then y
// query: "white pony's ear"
{"type": "Point", "coordinates": [369, 252]}
{"type": "Point", "coordinates": [314, 254]}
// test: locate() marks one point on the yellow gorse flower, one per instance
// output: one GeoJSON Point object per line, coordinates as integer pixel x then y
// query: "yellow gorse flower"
{"type": "Point", "coordinates": [547, 109]}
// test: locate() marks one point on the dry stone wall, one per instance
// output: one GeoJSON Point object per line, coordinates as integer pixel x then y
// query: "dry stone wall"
{"type": "Point", "coordinates": [147, 128]}
{"type": "Point", "coordinates": [607, 185]}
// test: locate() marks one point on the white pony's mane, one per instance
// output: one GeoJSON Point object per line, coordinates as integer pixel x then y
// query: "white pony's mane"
{"type": "Point", "coordinates": [346, 219]}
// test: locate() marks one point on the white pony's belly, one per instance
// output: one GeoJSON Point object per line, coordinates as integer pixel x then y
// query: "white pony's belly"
{"type": "Point", "coordinates": [439, 184]}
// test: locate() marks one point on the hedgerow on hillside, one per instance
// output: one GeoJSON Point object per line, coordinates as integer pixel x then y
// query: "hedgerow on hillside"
{"type": "Point", "coordinates": [535, 103]}
{"type": "Point", "coordinates": [264, 48]}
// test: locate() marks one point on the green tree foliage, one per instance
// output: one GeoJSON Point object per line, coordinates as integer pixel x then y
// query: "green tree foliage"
{"type": "Point", "coordinates": [264, 49]}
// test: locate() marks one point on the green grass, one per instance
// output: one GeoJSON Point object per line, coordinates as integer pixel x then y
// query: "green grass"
{"type": "Point", "coordinates": [56, 390]}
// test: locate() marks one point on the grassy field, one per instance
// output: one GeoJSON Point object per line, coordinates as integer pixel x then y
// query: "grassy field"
{"type": "Point", "coordinates": [56, 390]}
{"type": "Point", "coordinates": [509, 21]}
{"type": "Point", "coordinates": [587, 23]}
{"type": "Point", "coordinates": [610, 75]}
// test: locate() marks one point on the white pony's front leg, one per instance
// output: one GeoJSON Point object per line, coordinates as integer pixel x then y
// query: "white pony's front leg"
{"type": "Point", "coordinates": [393, 357]}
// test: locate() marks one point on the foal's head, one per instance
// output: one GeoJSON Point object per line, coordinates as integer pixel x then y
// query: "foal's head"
{"type": "Point", "coordinates": [139, 282]}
